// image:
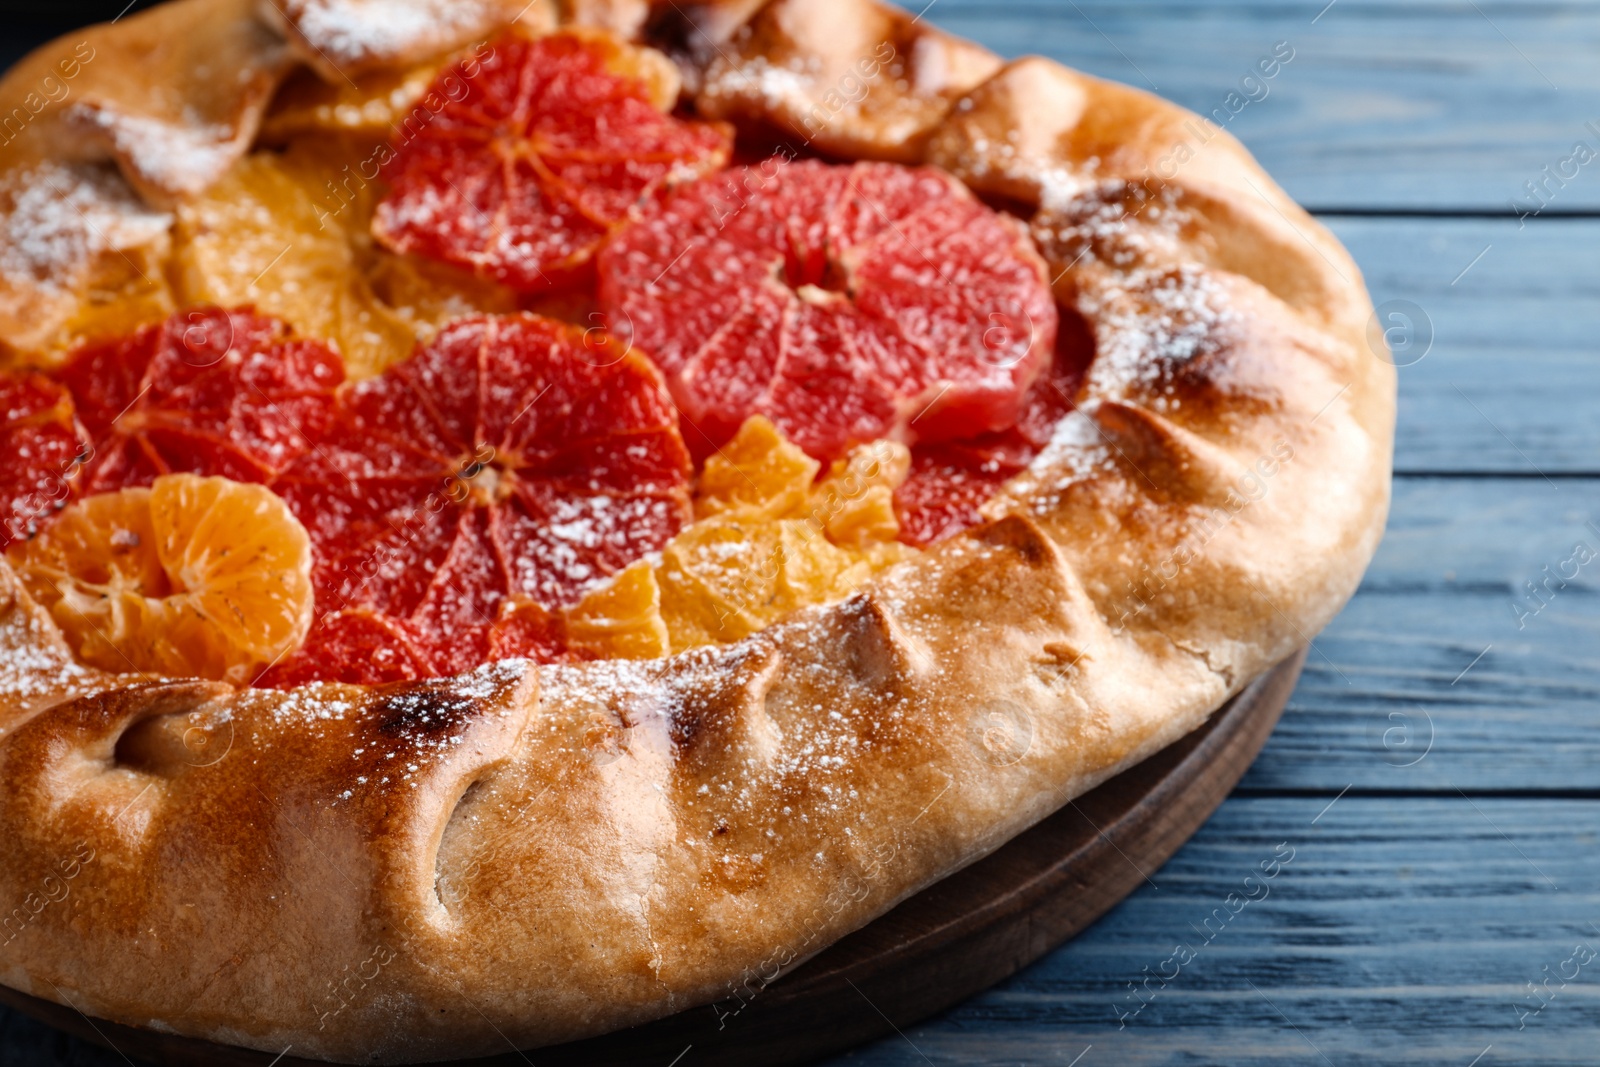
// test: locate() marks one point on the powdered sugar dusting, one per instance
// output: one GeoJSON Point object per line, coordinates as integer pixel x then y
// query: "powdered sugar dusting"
{"type": "Point", "coordinates": [59, 217]}
{"type": "Point", "coordinates": [1121, 224]}
{"type": "Point", "coordinates": [1001, 164]}
{"type": "Point", "coordinates": [786, 707]}
{"type": "Point", "coordinates": [392, 736]}
{"type": "Point", "coordinates": [34, 668]}
{"type": "Point", "coordinates": [180, 158]}
{"type": "Point", "coordinates": [364, 31]}
{"type": "Point", "coordinates": [1148, 323]}
{"type": "Point", "coordinates": [773, 84]}
{"type": "Point", "coordinates": [1076, 447]}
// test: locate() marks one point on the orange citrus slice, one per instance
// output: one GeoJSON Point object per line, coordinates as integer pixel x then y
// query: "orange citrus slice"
{"type": "Point", "coordinates": [621, 619]}
{"type": "Point", "coordinates": [261, 237]}
{"type": "Point", "coordinates": [124, 293]}
{"type": "Point", "coordinates": [511, 457]}
{"type": "Point", "coordinates": [207, 392]}
{"type": "Point", "coordinates": [193, 577]}
{"type": "Point", "coordinates": [771, 539]}
{"type": "Point", "coordinates": [370, 104]}
{"type": "Point", "coordinates": [951, 481]}
{"type": "Point", "coordinates": [430, 295]}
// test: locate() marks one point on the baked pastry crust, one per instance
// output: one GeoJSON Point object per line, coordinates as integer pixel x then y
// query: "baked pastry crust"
{"type": "Point", "coordinates": [532, 854]}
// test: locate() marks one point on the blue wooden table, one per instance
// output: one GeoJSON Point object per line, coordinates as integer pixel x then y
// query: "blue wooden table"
{"type": "Point", "coordinates": [1436, 778]}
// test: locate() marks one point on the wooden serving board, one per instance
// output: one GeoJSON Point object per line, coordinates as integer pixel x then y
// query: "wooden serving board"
{"type": "Point", "coordinates": [953, 940]}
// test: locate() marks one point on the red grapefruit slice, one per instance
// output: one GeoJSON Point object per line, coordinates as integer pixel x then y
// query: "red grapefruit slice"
{"type": "Point", "coordinates": [511, 457]}
{"type": "Point", "coordinates": [355, 647]}
{"type": "Point", "coordinates": [950, 481]}
{"type": "Point", "coordinates": [845, 303]}
{"type": "Point", "coordinates": [207, 392]}
{"type": "Point", "coordinates": [43, 448]}
{"type": "Point", "coordinates": [535, 158]}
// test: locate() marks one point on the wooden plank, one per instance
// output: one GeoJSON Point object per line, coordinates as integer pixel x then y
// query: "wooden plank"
{"type": "Point", "coordinates": [1399, 932]}
{"type": "Point", "coordinates": [25, 1043]}
{"type": "Point", "coordinates": [1511, 383]}
{"type": "Point", "coordinates": [1432, 105]}
{"type": "Point", "coordinates": [1396, 698]}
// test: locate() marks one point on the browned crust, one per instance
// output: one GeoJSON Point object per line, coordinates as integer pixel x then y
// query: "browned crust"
{"type": "Point", "coordinates": [173, 96]}
{"type": "Point", "coordinates": [344, 39]}
{"type": "Point", "coordinates": [532, 854]}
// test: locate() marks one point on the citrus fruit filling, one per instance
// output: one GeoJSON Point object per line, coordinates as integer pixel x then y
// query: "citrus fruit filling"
{"type": "Point", "coordinates": [950, 481]}
{"type": "Point", "coordinates": [43, 449]}
{"type": "Point", "coordinates": [771, 538]}
{"type": "Point", "coordinates": [510, 457]}
{"type": "Point", "coordinates": [259, 237]}
{"type": "Point", "coordinates": [225, 393]}
{"type": "Point", "coordinates": [746, 391]}
{"type": "Point", "coordinates": [197, 577]}
{"type": "Point", "coordinates": [846, 303]}
{"type": "Point", "coordinates": [536, 154]}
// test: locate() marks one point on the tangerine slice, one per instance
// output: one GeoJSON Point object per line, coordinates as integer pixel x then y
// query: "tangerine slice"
{"type": "Point", "coordinates": [846, 303]}
{"type": "Point", "coordinates": [429, 294]}
{"type": "Point", "coordinates": [758, 471]}
{"type": "Point", "coordinates": [370, 103]}
{"type": "Point", "coordinates": [123, 293]}
{"type": "Point", "coordinates": [208, 391]}
{"type": "Point", "coordinates": [535, 158]}
{"type": "Point", "coordinates": [622, 619]}
{"type": "Point", "coordinates": [44, 448]}
{"type": "Point", "coordinates": [856, 499]}
{"type": "Point", "coordinates": [259, 237]}
{"type": "Point", "coordinates": [771, 542]}
{"type": "Point", "coordinates": [510, 457]}
{"type": "Point", "coordinates": [192, 577]}
{"type": "Point", "coordinates": [730, 576]}
{"type": "Point", "coordinates": [950, 482]}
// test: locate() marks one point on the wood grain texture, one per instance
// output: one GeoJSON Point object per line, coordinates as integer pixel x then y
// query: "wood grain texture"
{"type": "Point", "coordinates": [1510, 383]}
{"type": "Point", "coordinates": [1433, 105]}
{"type": "Point", "coordinates": [1403, 931]}
{"type": "Point", "coordinates": [1392, 698]}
